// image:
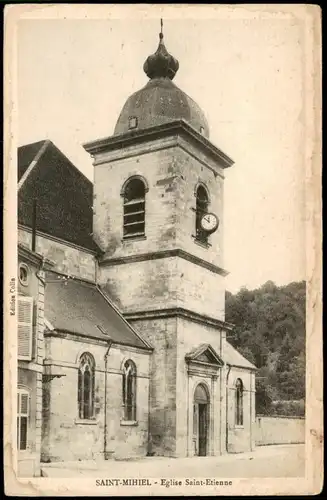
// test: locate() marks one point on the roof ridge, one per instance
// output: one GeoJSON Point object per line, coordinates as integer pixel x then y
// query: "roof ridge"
{"type": "Point", "coordinates": [32, 143]}
{"type": "Point", "coordinates": [72, 165]}
{"type": "Point", "coordinates": [34, 162]}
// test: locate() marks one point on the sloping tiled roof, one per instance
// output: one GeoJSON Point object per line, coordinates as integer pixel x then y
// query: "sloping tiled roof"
{"type": "Point", "coordinates": [26, 154]}
{"type": "Point", "coordinates": [64, 196]}
{"type": "Point", "coordinates": [234, 358]}
{"type": "Point", "coordinates": [79, 307]}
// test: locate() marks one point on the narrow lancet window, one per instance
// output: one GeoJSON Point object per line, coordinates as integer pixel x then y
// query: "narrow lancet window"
{"type": "Point", "coordinates": [239, 402]}
{"type": "Point", "coordinates": [86, 374]}
{"type": "Point", "coordinates": [129, 391]}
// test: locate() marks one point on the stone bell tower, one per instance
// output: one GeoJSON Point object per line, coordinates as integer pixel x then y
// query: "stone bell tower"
{"type": "Point", "coordinates": [154, 179]}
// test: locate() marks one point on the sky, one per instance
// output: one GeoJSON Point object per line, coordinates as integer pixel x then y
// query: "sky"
{"type": "Point", "coordinates": [245, 72]}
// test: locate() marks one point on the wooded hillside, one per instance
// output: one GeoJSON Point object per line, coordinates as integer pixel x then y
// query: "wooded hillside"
{"type": "Point", "coordinates": [270, 332]}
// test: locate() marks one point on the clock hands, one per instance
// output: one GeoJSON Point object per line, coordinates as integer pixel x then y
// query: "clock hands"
{"type": "Point", "coordinates": [209, 222]}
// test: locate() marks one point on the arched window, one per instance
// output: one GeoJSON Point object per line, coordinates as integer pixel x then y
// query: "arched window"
{"type": "Point", "coordinates": [129, 390]}
{"type": "Point", "coordinates": [239, 402]}
{"type": "Point", "coordinates": [86, 375]}
{"type": "Point", "coordinates": [201, 394]}
{"type": "Point", "coordinates": [202, 202]}
{"type": "Point", "coordinates": [23, 400]}
{"type": "Point", "coordinates": [134, 208]}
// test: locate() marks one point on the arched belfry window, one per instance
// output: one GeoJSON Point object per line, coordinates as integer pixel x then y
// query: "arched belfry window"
{"type": "Point", "coordinates": [202, 203]}
{"type": "Point", "coordinates": [239, 402]}
{"type": "Point", "coordinates": [133, 193]}
{"type": "Point", "coordinates": [86, 375]}
{"type": "Point", "coordinates": [129, 390]}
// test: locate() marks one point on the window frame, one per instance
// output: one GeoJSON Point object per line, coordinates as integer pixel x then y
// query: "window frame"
{"type": "Point", "coordinates": [134, 216]}
{"type": "Point", "coordinates": [129, 393]}
{"type": "Point", "coordinates": [201, 237]}
{"type": "Point", "coordinates": [239, 403]}
{"type": "Point", "coordinates": [86, 410]}
{"type": "Point", "coordinates": [21, 391]}
{"type": "Point", "coordinates": [130, 126]}
{"type": "Point", "coordinates": [26, 268]}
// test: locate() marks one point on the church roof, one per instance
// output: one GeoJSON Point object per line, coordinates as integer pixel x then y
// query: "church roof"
{"type": "Point", "coordinates": [27, 154]}
{"type": "Point", "coordinates": [82, 308]}
{"type": "Point", "coordinates": [160, 100]}
{"type": "Point", "coordinates": [234, 358]}
{"type": "Point", "coordinates": [64, 196]}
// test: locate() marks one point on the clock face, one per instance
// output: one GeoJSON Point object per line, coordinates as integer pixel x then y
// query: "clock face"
{"type": "Point", "coordinates": [209, 222]}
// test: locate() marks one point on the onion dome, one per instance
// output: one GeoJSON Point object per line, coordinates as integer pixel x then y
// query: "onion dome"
{"type": "Point", "coordinates": [161, 64]}
{"type": "Point", "coordinates": [160, 100]}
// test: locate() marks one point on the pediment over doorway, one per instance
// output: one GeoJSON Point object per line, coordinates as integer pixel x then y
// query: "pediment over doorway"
{"type": "Point", "coordinates": [205, 354]}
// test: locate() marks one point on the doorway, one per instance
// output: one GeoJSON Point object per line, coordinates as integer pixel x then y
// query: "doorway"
{"type": "Point", "coordinates": [201, 421]}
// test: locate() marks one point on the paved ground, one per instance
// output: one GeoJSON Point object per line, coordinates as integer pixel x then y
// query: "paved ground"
{"type": "Point", "coordinates": [265, 461]}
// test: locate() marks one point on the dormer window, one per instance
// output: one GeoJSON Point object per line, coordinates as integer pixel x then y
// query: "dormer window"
{"type": "Point", "coordinates": [132, 122]}
{"type": "Point", "coordinates": [23, 274]}
{"type": "Point", "coordinates": [202, 130]}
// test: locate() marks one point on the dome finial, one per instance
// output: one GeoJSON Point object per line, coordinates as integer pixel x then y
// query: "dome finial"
{"type": "Point", "coordinates": [161, 64]}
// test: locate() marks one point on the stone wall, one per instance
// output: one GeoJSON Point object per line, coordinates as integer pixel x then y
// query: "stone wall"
{"type": "Point", "coordinates": [66, 437]}
{"type": "Point", "coordinates": [190, 336]}
{"type": "Point", "coordinates": [172, 389]}
{"type": "Point", "coordinates": [241, 438]}
{"type": "Point", "coordinates": [172, 176]}
{"type": "Point", "coordinates": [165, 283]}
{"type": "Point", "coordinates": [193, 168]}
{"type": "Point", "coordinates": [68, 258]}
{"type": "Point", "coordinates": [109, 177]}
{"type": "Point", "coordinates": [161, 333]}
{"type": "Point", "coordinates": [279, 430]}
{"type": "Point", "coordinates": [200, 290]}
{"type": "Point", "coordinates": [138, 280]}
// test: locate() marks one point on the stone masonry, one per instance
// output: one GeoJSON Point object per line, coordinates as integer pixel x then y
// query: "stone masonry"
{"type": "Point", "coordinates": [154, 278]}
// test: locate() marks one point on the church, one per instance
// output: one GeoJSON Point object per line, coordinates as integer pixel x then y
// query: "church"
{"type": "Point", "coordinates": [123, 346]}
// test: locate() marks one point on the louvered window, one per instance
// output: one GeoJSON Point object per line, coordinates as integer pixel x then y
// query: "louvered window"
{"type": "Point", "coordinates": [23, 400]}
{"type": "Point", "coordinates": [134, 208]}
{"type": "Point", "coordinates": [25, 328]}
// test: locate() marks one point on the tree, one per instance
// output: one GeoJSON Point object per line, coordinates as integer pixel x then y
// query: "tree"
{"type": "Point", "coordinates": [270, 332]}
